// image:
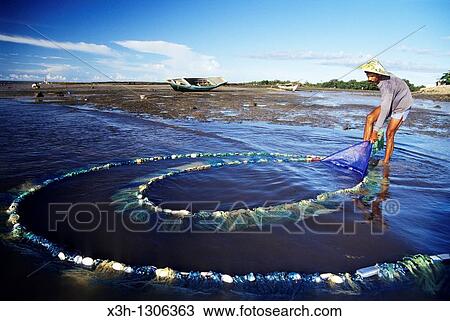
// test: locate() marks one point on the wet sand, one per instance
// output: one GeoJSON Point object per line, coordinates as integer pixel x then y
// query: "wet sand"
{"type": "Point", "coordinates": [232, 103]}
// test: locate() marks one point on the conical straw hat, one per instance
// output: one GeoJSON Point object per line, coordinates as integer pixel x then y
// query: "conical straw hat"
{"type": "Point", "coordinates": [375, 67]}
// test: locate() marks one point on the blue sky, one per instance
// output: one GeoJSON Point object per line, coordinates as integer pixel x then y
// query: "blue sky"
{"type": "Point", "coordinates": [239, 40]}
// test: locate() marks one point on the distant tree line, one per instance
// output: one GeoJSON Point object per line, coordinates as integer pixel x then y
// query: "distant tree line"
{"type": "Point", "coordinates": [351, 84]}
{"type": "Point", "coordinates": [333, 83]}
{"type": "Point", "coordinates": [268, 82]}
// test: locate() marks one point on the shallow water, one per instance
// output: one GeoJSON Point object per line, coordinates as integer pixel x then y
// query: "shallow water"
{"type": "Point", "coordinates": [42, 141]}
{"type": "Point", "coordinates": [340, 98]}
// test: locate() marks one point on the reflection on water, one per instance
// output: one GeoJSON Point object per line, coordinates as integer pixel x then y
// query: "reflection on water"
{"type": "Point", "coordinates": [41, 141]}
{"type": "Point", "coordinates": [372, 206]}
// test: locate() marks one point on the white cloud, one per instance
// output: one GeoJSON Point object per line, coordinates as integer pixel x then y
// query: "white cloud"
{"type": "Point", "coordinates": [127, 65]}
{"type": "Point", "coordinates": [423, 51]}
{"type": "Point", "coordinates": [127, 68]}
{"type": "Point", "coordinates": [47, 69]}
{"type": "Point", "coordinates": [52, 77]}
{"type": "Point", "coordinates": [75, 46]}
{"type": "Point", "coordinates": [56, 77]}
{"type": "Point", "coordinates": [300, 55]}
{"type": "Point", "coordinates": [180, 58]}
{"type": "Point", "coordinates": [352, 60]}
{"type": "Point", "coordinates": [46, 57]}
{"type": "Point", "coordinates": [420, 51]}
{"type": "Point", "coordinates": [412, 66]}
{"type": "Point", "coordinates": [58, 68]}
{"type": "Point", "coordinates": [98, 78]}
{"type": "Point", "coordinates": [53, 72]}
{"type": "Point", "coordinates": [156, 47]}
{"type": "Point", "coordinates": [121, 77]}
{"type": "Point", "coordinates": [391, 65]}
{"type": "Point", "coordinates": [322, 58]}
{"type": "Point", "coordinates": [445, 38]}
{"type": "Point", "coordinates": [24, 77]}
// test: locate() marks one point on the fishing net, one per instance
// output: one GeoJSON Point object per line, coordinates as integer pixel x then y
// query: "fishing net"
{"type": "Point", "coordinates": [426, 272]}
{"type": "Point", "coordinates": [355, 158]}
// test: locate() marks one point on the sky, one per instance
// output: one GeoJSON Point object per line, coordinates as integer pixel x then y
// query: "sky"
{"type": "Point", "coordinates": [241, 40]}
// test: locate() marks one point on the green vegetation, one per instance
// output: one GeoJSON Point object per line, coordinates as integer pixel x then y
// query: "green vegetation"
{"type": "Point", "coordinates": [445, 79]}
{"type": "Point", "coordinates": [351, 84]}
{"type": "Point", "coordinates": [333, 83]}
{"type": "Point", "coordinates": [267, 82]}
{"type": "Point", "coordinates": [413, 87]}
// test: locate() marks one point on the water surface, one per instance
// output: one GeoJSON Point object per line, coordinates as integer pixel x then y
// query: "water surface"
{"type": "Point", "coordinates": [40, 141]}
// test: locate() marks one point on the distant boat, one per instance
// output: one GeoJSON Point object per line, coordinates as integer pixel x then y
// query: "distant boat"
{"type": "Point", "coordinates": [196, 84]}
{"type": "Point", "coordinates": [289, 87]}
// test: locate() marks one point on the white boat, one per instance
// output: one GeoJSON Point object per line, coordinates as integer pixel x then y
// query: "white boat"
{"type": "Point", "coordinates": [289, 87]}
{"type": "Point", "coordinates": [196, 84]}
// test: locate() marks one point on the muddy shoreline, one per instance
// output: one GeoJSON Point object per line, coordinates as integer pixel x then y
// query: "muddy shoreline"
{"type": "Point", "coordinates": [230, 104]}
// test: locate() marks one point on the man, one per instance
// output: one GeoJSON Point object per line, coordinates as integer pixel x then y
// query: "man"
{"type": "Point", "coordinates": [396, 101]}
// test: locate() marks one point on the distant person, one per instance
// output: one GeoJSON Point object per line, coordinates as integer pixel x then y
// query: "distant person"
{"type": "Point", "coordinates": [396, 101]}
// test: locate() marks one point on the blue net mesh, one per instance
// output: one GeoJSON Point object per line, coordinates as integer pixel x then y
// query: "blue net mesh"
{"type": "Point", "coordinates": [355, 158]}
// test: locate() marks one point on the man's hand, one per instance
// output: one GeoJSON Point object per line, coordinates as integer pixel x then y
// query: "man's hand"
{"type": "Point", "coordinates": [374, 136]}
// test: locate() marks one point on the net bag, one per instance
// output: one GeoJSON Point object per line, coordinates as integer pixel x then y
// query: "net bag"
{"type": "Point", "coordinates": [355, 158]}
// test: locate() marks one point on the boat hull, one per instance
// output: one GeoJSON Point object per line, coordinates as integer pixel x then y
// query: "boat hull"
{"type": "Point", "coordinates": [192, 88]}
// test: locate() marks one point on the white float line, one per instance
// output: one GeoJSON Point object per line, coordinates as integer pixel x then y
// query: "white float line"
{"type": "Point", "coordinates": [373, 270]}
